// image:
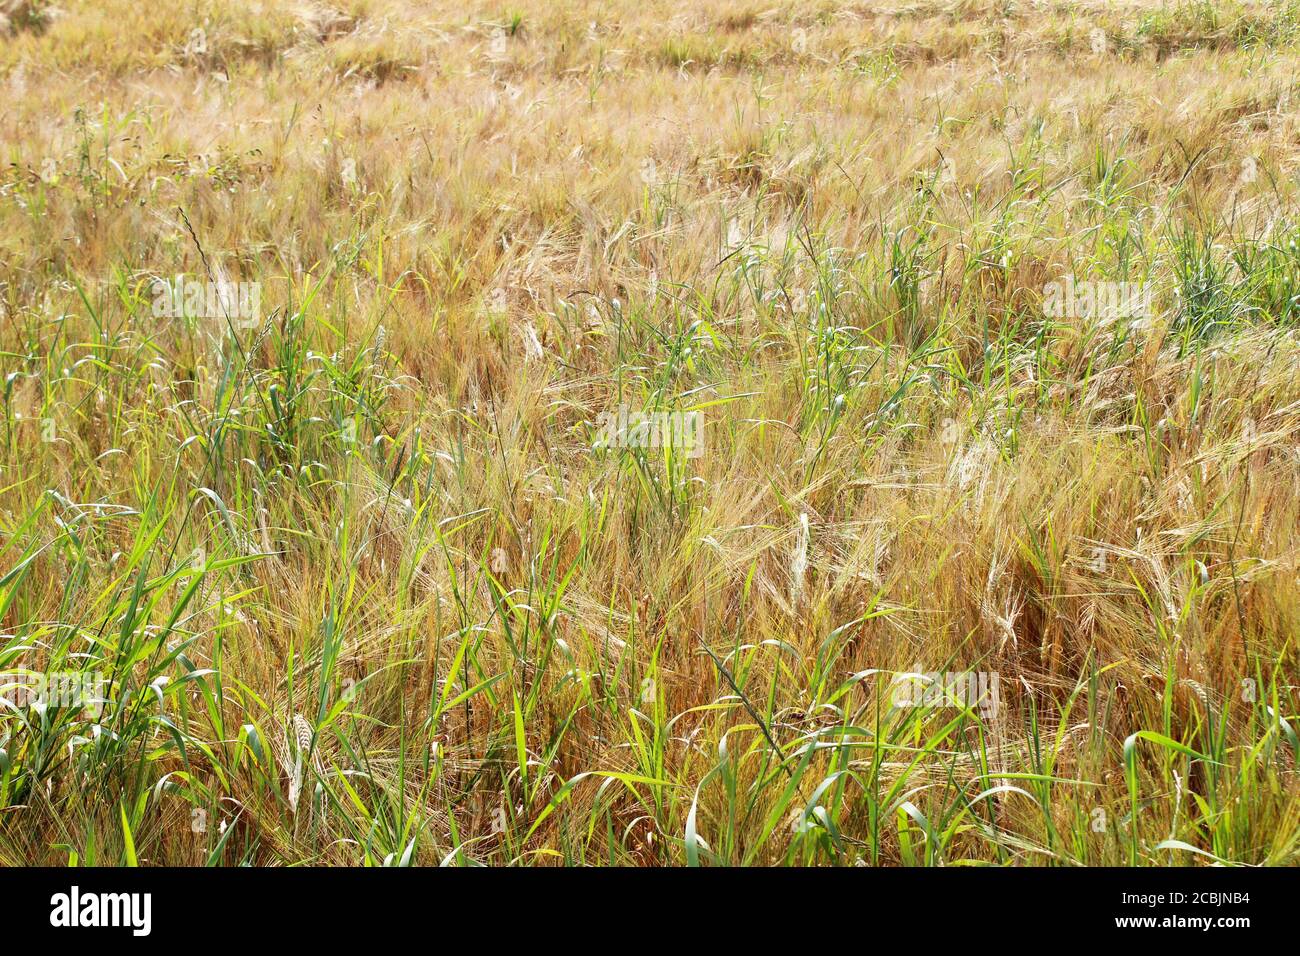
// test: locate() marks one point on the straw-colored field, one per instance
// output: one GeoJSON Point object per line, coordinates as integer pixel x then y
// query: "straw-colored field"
{"type": "Point", "coordinates": [989, 312]}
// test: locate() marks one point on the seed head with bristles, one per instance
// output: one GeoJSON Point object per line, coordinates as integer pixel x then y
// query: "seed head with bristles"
{"type": "Point", "coordinates": [799, 559]}
{"type": "Point", "coordinates": [302, 732]}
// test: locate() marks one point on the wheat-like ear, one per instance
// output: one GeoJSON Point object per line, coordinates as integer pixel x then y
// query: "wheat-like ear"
{"type": "Point", "coordinates": [302, 732]}
{"type": "Point", "coordinates": [799, 560]}
{"type": "Point", "coordinates": [532, 344]}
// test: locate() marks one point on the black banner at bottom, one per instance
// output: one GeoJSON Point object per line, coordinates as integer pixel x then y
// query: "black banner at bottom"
{"type": "Point", "coordinates": [338, 906]}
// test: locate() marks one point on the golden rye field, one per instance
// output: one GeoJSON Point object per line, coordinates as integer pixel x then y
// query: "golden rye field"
{"type": "Point", "coordinates": [349, 573]}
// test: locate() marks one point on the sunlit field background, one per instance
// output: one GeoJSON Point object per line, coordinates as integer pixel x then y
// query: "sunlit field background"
{"type": "Point", "coordinates": [361, 583]}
